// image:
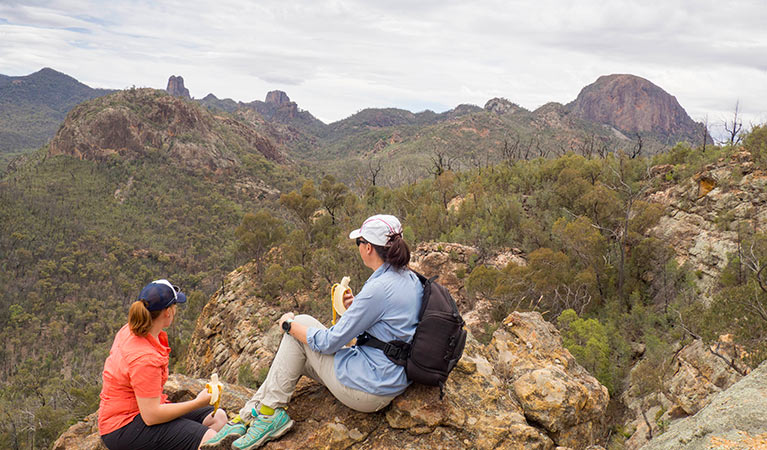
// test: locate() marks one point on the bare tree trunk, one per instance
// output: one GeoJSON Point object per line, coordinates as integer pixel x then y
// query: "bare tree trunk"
{"type": "Point", "coordinates": [736, 126]}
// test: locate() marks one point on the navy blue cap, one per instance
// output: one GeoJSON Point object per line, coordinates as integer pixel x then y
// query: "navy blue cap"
{"type": "Point", "coordinates": [160, 294]}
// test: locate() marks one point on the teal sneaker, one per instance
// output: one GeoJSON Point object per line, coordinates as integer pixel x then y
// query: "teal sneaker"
{"type": "Point", "coordinates": [263, 429]}
{"type": "Point", "coordinates": [233, 430]}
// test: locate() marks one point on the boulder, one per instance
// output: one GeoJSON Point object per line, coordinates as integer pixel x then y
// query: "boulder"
{"type": "Point", "coordinates": [734, 419]}
{"type": "Point", "coordinates": [697, 372]}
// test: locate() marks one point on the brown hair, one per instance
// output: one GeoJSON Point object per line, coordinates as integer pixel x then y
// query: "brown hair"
{"type": "Point", "coordinates": [396, 252]}
{"type": "Point", "coordinates": [140, 318]}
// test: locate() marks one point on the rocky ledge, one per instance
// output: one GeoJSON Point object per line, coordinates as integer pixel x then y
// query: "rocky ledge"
{"type": "Point", "coordinates": [522, 390]}
{"type": "Point", "coordinates": [733, 420]}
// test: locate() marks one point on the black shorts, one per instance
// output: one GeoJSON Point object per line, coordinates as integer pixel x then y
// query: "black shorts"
{"type": "Point", "coordinates": [184, 433]}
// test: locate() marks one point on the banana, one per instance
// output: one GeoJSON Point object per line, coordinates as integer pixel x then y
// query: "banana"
{"type": "Point", "coordinates": [215, 388]}
{"type": "Point", "coordinates": [337, 297]}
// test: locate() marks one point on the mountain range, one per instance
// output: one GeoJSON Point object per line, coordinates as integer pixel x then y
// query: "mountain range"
{"type": "Point", "coordinates": [615, 112]}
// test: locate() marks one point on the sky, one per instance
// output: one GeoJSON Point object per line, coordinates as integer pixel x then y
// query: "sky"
{"type": "Point", "coordinates": [336, 57]}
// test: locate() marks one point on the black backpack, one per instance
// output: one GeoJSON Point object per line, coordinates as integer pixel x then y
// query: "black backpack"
{"type": "Point", "coordinates": [438, 341]}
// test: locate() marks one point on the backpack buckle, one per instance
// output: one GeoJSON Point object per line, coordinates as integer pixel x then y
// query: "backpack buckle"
{"type": "Point", "coordinates": [394, 352]}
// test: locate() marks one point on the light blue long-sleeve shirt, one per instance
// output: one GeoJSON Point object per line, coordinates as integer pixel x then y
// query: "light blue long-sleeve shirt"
{"type": "Point", "coordinates": [386, 307]}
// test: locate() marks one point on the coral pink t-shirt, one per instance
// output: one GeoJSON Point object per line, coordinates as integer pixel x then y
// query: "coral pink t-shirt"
{"type": "Point", "coordinates": [136, 367]}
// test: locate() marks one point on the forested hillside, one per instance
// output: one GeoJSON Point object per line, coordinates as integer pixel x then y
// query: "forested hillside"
{"type": "Point", "coordinates": [32, 107]}
{"type": "Point", "coordinates": [187, 194]}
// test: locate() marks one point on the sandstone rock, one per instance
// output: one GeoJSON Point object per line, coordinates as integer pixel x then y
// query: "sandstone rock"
{"type": "Point", "coordinates": [176, 87]}
{"type": "Point", "coordinates": [448, 261]}
{"type": "Point", "coordinates": [552, 388]}
{"type": "Point", "coordinates": [84, 435]}
{"type": "Point", "coordinates": [235, 331]}
{"type": "Point", "coordinates": [734, 419]}
{"type": "Point", "coordinates": [633, 104]}
{"type": "Point", "coordinates": [696, 374]}
{"type": "Point", "coordinates": [702, 213]}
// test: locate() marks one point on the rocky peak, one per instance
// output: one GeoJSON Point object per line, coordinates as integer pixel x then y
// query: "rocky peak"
{"type": "Point", "coordinates": [501, 106]}
{"type": "Point", "coordinates": [277, 98]}
{"type": "Point", "coordinates": [176, 87]}
{"type": "Point", "coordinates": [633, 104]}
{"type": "Point", "coordinates": [133, 122]}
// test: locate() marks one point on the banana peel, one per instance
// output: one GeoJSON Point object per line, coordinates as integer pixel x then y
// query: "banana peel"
{"type": "Point", "coordinates": [215, 388]}
{"type": "Point", "coordinates": [337, 297]}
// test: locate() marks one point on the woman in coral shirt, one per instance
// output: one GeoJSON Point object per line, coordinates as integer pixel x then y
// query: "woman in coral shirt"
{"type": "Point", "coordinates": [134, 413]}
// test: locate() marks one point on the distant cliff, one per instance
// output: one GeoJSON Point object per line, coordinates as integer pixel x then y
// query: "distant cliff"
{"type": "Point", "coordinates": [635, 105]}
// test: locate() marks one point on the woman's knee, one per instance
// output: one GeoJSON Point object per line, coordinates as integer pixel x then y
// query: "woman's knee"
{"type": "Point", "coordinates": [210, 434]}
{"type": "Point", "coordinates": [309, 321]}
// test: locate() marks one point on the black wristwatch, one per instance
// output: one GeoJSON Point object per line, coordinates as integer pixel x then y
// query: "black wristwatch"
{"type": "Point", "coordinates": [286, 325]}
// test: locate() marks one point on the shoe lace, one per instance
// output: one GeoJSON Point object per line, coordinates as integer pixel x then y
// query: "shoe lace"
{"type": "Point", "coordinates": [259, 425]}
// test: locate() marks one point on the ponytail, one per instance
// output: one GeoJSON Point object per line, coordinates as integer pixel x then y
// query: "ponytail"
{"type": "Point", "coordinates": [140, 318]}
{"type": "Point", "coordinates": [396, 252]}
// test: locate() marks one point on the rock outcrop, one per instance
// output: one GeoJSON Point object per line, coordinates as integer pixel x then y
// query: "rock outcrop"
{"type": "Point", "coordinates": [522, 390]}
{"type": "Point", "coordinates": [703, 214]}
{"type": "Point", "coordinates": [176, 87]}
{"type": "Point", "coordinates": [695, 375]}
{"type": "Point", "coordinates": [135, 122]}
{"type": "Point", "coordinates": [502, 106]}
{"type": "Point", "coordinates": [277, 98]}
{"type": "Point", "coordinates": [84, 435]}
{"type": "Point", "coordinates": [734, 419]}
{"type": "Point", "coordinates": [633, 104]}
{"type": "Point", "coordinates": [278, 108]}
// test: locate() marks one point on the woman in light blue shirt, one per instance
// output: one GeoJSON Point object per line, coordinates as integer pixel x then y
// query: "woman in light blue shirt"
{"type": "Point", "coordinates": [361, 377]}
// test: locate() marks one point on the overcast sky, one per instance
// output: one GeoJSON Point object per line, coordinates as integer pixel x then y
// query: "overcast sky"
{"type": "Point", "coordinates": [335, 57]}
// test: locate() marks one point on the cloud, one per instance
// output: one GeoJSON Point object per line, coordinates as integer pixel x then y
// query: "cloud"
{"type": "Point", "coordinates": [334, 57]}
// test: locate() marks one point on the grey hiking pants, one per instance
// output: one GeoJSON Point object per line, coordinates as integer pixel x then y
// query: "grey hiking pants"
{"type": "Point", "coordinates": [294, 359]}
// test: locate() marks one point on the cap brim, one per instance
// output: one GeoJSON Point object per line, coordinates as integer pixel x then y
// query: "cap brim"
{"type": "Point", "coordinates": [180, 297]}
{"type": "Point", "coordinates": [355, 234]}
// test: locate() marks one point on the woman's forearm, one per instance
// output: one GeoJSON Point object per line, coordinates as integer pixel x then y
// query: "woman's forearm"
{"type": "Point", "coordinates": [298, 331]}
{"type": "Point", "coordinates": [153, 412]}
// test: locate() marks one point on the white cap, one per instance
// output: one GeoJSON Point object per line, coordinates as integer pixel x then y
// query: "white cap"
{"type": "Point", "coordinates": [377, 229]}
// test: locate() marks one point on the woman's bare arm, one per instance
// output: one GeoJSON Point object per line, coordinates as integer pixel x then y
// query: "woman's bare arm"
{"type": "Point", "coordinates": [153, 412]}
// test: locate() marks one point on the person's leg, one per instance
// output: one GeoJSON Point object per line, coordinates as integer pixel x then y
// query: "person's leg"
{"type": "Point", "coordinates": [215, 421]}
{"type": "Point", "coordinates": [178, 434]}
{"type": "Point", "coordinates": [210, 434]}
{"type": "Point", "coordinates": [322, 369]}
{"type": "Point", "coordinates": [286, 369]}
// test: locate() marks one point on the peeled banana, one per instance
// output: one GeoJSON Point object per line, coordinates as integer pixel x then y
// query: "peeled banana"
{"type": "Point", "coordinates": [337, 297]}
{"type": "Point", "coordinates": [215, 388]}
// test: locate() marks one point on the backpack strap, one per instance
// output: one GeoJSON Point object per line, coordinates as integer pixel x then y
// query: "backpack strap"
{"type": "Point", "coordinates": [396, 351]}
